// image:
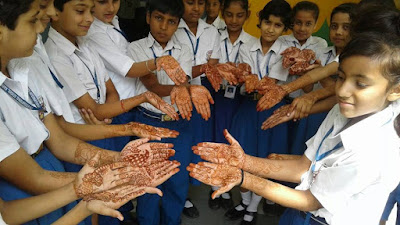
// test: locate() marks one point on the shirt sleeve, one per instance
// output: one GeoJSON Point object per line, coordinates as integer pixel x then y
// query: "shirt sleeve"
{"type": "Point", "coordinates": [216, 54]}
{"type": "Point", "coordinates": [8, 143]}
{"type": "Point", "coordinates": [186, 60]}
{"type": "Point", "coordinates": [114, 59]}
{"type": "Point", "coordinates": [73, 87]}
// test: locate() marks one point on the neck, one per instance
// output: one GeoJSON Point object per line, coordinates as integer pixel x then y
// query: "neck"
{"type": "Point", "coordinates": [71, 38]}
{"type": "Point", "coordinates": [266, 45]}
{"type": "Point", "coordinates": [338, 50]}
{"type": "Point", "coordinates": [3, 64]}
{"type": "Point", "coordinates": [193, 26]}
{"type": "Point", "coordinates": [210, 20]}
{"type": "Point", "coordinates": [234, 35]}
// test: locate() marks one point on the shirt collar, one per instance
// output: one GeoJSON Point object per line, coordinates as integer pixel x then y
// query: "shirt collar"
{"type": "Point", "coordinates": [201, 27]}
{"type": "Point", "coordinates": [310, 41]}
{"type": "Point", "coordinates": [19, 71]}
{"type": "Point", "coordinates": [104, 26]}
{"type": "Point", "coordinates": [62, 43]}
{"type": "Point", "coordinates": [151, 42]}
{"type": "Point", "coordinates": [243, 37]}
{"type": "Point", "coordinates": [276, 47]}
{"type": "Point", "coordinates": [329, 49]}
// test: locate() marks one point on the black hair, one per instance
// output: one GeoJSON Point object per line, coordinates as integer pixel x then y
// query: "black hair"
{"type": "Point", "coordinates": [10, 10]}
{"type": "Point", "coordinates": [59, 4]}
{"type": "Point", "coordinates": [243, 3]}
{"type": "Point", "coordinates": [220, 1]}
{"type": "Point", "coordinates": [278, 8]}
{"type": "Point", "coordinates": [171, 7]}
{"type": "Point", "coordinates": [382, 48]}
{"type": "Point", "coordinates": [388, 3]}
{"type": "Point", "coordinates": [347, 8]}
{"type": "Point", "coordinates": [306, 6]}
{"type": "Point", "coordinates": [377, 18]}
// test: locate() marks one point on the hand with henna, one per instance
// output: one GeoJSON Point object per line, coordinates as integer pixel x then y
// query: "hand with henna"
{"type": "Point", "coordinates": [147, 131]}
{"type": "Point", "coordinates": [273, 95]}
{"type": "Point", "coordinates": [265, 84]}
{"type": "Point", "coordinates": [251, 83]}
{"type": "Point", "coordinates": [227, 72]}
{"type": "Point", "coordinates": [89, 118]}
{"type": "Point", "coordinates": [302, 106]}
{"type": "Point", "coordinates": [160, 104]}
{"type": "Point", "coordinates": [140, 153]}
{"type": "Point", "coordinates": [92, 179]}
{"type": "Point", "coordinates": [181, 97]}
{"type": "Point", "coordinates": [201, 98]}
{"type": "Point", "coordinates": [242, 70]}
{"type": "Point", "coordinates": [172, 68]}
{"type": "Point", "coordinates": [212, 75]}
{"type": "Point", "coordinates": [281, 115]}
{"type": "Point", "coordinates": [223, 176]}
{"type": "Point", "coordinates": [231, 154]}
{"type": "Point", "coordinates": [155, 174]}
{"type": "Point", "coordinates": [275, 156]}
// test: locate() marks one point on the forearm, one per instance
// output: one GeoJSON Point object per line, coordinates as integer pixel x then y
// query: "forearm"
{"type": "Point", "coordinates": [322, 93]}
{"type": "Point", "coordinates": [23, 210]}
{"type": "Point", "coordinates": [75, 215]}
{"type": "Point", "coordinates": [283, 170]}
{"type": "Point", "coordinates": [140, 69]}
{"type": "Point", "coordinates": [197, 71]}
{"type": "Point", "coordinates": [280, 194]}
{"type": "Point", "coordinates": [324, 105]}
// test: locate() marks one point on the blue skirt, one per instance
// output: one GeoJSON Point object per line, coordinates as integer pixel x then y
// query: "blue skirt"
{"type": "Point", "coordinates": [295, 217]}
{"type": "Point", "coordinates": [9, 192]}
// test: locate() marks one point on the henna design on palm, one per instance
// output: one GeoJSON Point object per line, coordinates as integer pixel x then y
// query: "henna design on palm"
{"type": "Point", "coordinates": [181, 97]}
{"type": "Point", "coordinates": [172, 68]}
{"type": "Point", "coordinates": [201, 98]}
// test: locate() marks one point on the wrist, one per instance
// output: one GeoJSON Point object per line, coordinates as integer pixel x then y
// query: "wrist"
{"type": "Point", "coordinates": [242, 178]}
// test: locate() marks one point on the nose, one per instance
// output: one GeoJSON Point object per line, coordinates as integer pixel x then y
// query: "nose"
{"type": "Point", "coordinates": [343, 90]}
{"type": "Point", "coordinates": [270, 28]}
{"type": "Point", "coordinates": [89, 17]}
{"type": "Point", "coordinates": [196, 7]}
{"type": "Point", "coordinates": [234, 19]}
{"type": "Point", "coordinates": [340, 30]}
{"type": "Point", "coordinates": [164, 25]}
{"type": "Point", "coordinates": [39, 27]}
{"type": "Point", "coordinates": [110, 6]}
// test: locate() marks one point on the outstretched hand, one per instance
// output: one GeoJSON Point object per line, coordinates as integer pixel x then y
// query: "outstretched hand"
{"type": "Point", "coordinates": [251, 82]}
{"type": "Point", "coordinates": [273, 94]}
{"type": "Point", "coordinates": [223, 176]}
{"type": "Point", "coordinates": [172, 68]}
{"type": "Point", "coordinates": [147, 131]}
{"type": "Point", "coordinates": [232, 154]}
{"type": "Point", "coordinates": [212, 75]}
{"type": "Point", "coordinates": [160, 104]}
{"type": "Point", "coordinates": [302, 106]}
{"type": "Point", "coordinates": [226, 70]}
{"type": "Point", "coordinates": [181, 97]}
{"type": "Point", "coordinates": [201, 98]}
{"type": "Point", "coordinates": [281, 115]}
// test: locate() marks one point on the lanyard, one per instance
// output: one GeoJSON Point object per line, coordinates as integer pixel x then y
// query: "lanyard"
{"type": "Point", "coordinates": [94, 77]}
{"type": "Point", "coordinates": [23, 102]}
{"type": "Point", "coordinates": [294, 43]}
{"type": "Point", "coordinates": [52, 74]}
{"type": "Point", "coordinates": [259, 66]}
{"type": "Point", "coordinates": [195, 49]}
{"type": "Point", "coordinates": [329, 57]}
{"type": "Point", "coordinates": [122, 33]}
{"type": "Point", "coordinates": [155, 56]}
{"type": "Point", "coordinates": [226, 50]}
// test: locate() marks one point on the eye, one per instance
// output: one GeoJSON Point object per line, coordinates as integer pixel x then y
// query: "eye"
{"type": "Point", "coordinates": [172, 22]}
{"type": "Point", "coordinates": [34, 21]}
{"type": "Point", "coordinates": [334, 26]}
{"type": "Point", "coordinates": [346, 27]}
{"type": "Point", "coordinates": [158, 18]}
{"type": "Point", "coordinates": [278, 25]}
{"type": "Point", "coordinates": [43, 6]}
{"type": "Point", "coordinates": [308, 24]}
{"type": "Point", "coordinates": [80, 12]}
{"type": "Point", "coordinates": [361, 85]}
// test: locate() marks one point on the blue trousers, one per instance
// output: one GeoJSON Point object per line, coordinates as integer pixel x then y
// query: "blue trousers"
{"type": "Point", "coordinates": [9, 192]}
{"type": "Point", "coordinates": [295, 217]}
{"type": "Point", "coordinates": [246, 129]}
{"type": "Point", "coordinates": [149, 211]}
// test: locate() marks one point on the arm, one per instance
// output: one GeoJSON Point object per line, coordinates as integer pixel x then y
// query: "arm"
{"type": "Point", "coordinates": [151, 83]}
{"type": "Point", "coordinates": [111, 93]}
{"type": "Point", "coordinates": [197, 70]}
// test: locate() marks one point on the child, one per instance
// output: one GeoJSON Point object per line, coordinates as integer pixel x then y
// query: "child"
{"type": "Point", "coordinates": [163, 16]}
{"type": "Point", "coordinates": [235, 13]}
{"type": "Point", "coordinates": [263, 57]}
{"type": "Point", "coordinates": [343, 179]}
{"type": "Point", "coordinates": [204, 44]}
{"type": "Point", "coordinates": [213, 8]}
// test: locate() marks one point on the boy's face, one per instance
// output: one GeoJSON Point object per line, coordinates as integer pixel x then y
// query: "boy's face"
{"type": "Point", "coordinates": [271, 29]}
{"type": "Point", "coordinates": [105, 10]}
{"type": "Point", "coordinates": [212, 8]}
{"type": "Point", "coordinates": [361, 88]}
{"type": "Point", "coordinates": [194, 9]}
{"type": "Point", "coordinates": [162, 26]}
{"type": "Point", "coordinates": [75, 19]}
{"type": "Point", "coordinates": [339, 31]}
{"type": "Point", "coordinates": [235, 16]}
{"type": "Point", "coordinates": [48, 12]}
{"type": "Point", "coordinates": [303, 25]}
{"type": "Point", "coordinates": [21, 41]}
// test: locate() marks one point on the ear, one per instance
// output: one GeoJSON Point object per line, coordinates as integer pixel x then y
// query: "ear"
{"type": "Point", "coordinates": [148, 17]}
{"type": "Point", "coordinates": [394, 94]}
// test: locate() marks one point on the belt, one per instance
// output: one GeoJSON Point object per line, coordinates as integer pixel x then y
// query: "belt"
{"type": "Point", "coordinates": [314, 220]}
{"type": "Point", "coordinates": [158, 116]}
{"type": "Point", "coordinates": [255, 96]}
{"type": "Point", "coordinates": [34, 155]}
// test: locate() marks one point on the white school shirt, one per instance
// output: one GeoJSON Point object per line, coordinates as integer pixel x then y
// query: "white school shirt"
{"type": "Point", "coordinates": [218, 23]}
{"type": "Point", "coordinates": [326, 55]}
{"type": "Point", "coordinates": [251, 53]}
{"type": "Point", "coordinates": [2, 221]}
{"type": "Point", "coordinates": [77, 67]}
{"type": "Point", "coordinates": [230, 52]}
{"type": "Point", "coordinates": [112, 47]}
{"type": "Point", "coordinates": [39, 70]}
{"type": "Point", "coordinates": [141, 50]}
{"type": "Point", "coordinates": [354, 182]}
{"type": "Point", "coordinates": [22, 123]}
{"type": "Point", "coordinates": [209, 43]}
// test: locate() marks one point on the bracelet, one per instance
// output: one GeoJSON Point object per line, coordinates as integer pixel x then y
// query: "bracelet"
{"type": "Point", "coordinates": [241, 181]}
{"type": "Point", "coordinates": [147, 66]}
{"type": "Point", "coordinates": [122, 106]}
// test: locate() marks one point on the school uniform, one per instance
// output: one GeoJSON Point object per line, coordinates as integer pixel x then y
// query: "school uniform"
{"type": "Point", "coordinates": [174, 189]}
{"type": "Point", "coordinates": [23, 106]}
{"type": "Point", "coordinates": [218, 23]}
{"type": "Point", "coordinates": [353, 170]}
{"type": "Point", "coordinates": [394, 198]}
{"type": "Point", "coordinates": [2, 221]}
{"type": "Point", "coordinates": [203, 46]}
{"type": "Point", "coordinates": [307, 127]}
{"type": "Point", "coordinates": [226, 104]}
{"type": "Point", "coordinates": [246, 124]}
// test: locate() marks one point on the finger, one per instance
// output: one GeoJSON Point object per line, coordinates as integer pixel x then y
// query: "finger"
{"type": "Point", "coordinates": [157, 145]}
{"type": "Point", "coordinates": [137, 142]}
{"type": "Point", "coordinates": [207, 165]}
{"type": "Point", "coordinates": [210, 99]}
{"type": "Point", "coordinates": [173, 96]}
{"type": "Point", "coordinates": [120, 166]}
{"type": "Point", "coordinates": [229, 137]}
{"type": "Point", "coordinates": [153, 190]}
{"type": "Point", "coordinates": [200, 177]}
{"type": "Point", "coordinates": [220, 191]}
{"type": "Point", "coordinates": [203, 112]}
{"type": "Point", "coordinates": [112, 213]}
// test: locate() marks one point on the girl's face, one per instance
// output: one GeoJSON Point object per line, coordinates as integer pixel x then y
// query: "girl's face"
{"type": "Point", "coordinates": [271, 29]}
{"type": "Point", "coordinates": [235, 16]}
{"type": "Point", "coordinates": [105, 10]}
{"type": "Point", "coordinates": [194, 9]}
{"type": "Point", "coordinates": [48, 12]}
{"type": "Point", "coordinates": [361, 88]}
{"type": "Point", "coordinates": [339, 31]}
{"type": "Point", "coordinates": [212, 8]}
{"type": "Point", "coordinates": [21, 41]}
{"type": "Point", "coordinates": [303, 25]}
{"type": "Point", "coordinates": [75, 19]}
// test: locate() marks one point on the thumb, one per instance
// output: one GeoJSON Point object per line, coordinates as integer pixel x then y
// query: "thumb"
{"type": "Point", "coordinates": [112, 213]}
{"type": "Point", "coordinates": [229, 137]}
{"type": "Point", "coordinates": [138, 142]}
{"type": "Point", "coordinates": [153, 190]}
